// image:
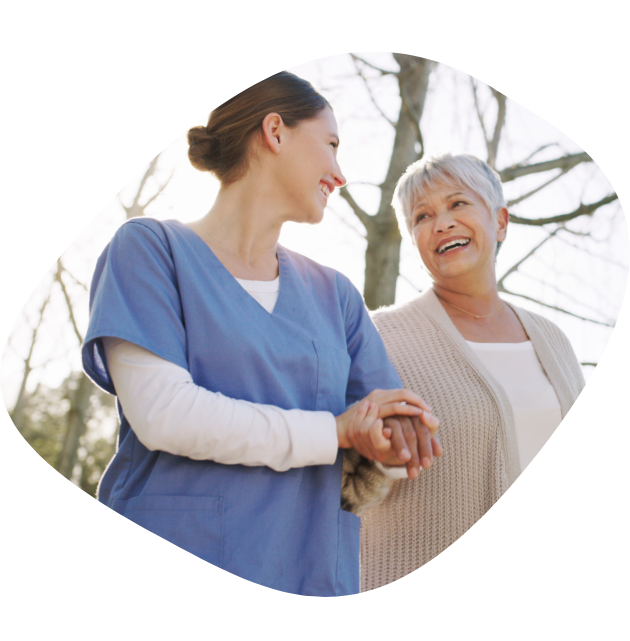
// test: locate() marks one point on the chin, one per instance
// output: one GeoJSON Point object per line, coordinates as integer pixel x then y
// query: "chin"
{"type": "Point", "coordinates": [315, 218]}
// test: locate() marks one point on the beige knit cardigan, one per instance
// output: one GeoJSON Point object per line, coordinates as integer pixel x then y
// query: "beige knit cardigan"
{"type": "Point", "coordinates": [418, 519]}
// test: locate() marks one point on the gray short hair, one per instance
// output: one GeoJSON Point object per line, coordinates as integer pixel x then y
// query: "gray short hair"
{"type": "Point", "coordinates": [463, 170]}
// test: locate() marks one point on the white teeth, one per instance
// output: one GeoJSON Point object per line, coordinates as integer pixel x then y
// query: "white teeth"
{"type": "Point", "coordinates": [460, 242]}
{"type": "Point", "coordinates": [325, 190]}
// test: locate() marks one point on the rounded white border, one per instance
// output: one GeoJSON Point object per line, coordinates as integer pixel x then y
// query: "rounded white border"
{"type": "Point", "coordinates": [540, 500]}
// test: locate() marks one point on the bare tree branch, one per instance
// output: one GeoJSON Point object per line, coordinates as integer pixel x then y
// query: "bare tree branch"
{"type": "Point", "coordinates": [158, 192]}
{"type": "Point", "coordinates": [579, 302]}
{"type": "Point", "coordinates": [360, 213]}
{"type": "Point", "coordinates": [537, 151]}
{"type": "Point", "coordinates": [478, 110]}
{"type": "Point", "coordinates": [589, 364]}
{"type": "Point", "coordinates": [75, 279]}
{"type": "Point", "coordinates": [16, 414]}
{"type": "Point", "coordinates": [370, 94]}
{"type": "Point", "coordinates": [564, 162]}
{"type": "Point", "coordinates": [558, 309]}
{"type": "Point", "coordinates": [60, 270]}
{"type": "Point", "coordinates": [516, 265]}
{"type": "Point", "coordinates": [493, 145]}
{"type": "Point", "coordinates": [414, 120]}
{"type": "Point", "coordinates": [520, 199]}
{"type": "Point", "coordinates": [384, 72]}
{"type": "Point", "coordinates": [606, 259]}
{"type": "Point", "coordinates": [582, 210]}
{"type": "Point", "coordinates": [135, 209]}
{"type": "Point", "coordinates": [345, 222]}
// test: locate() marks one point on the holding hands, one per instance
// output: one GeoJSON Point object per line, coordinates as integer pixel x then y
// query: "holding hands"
{"type": "Point", "coordinates": [394, 427]}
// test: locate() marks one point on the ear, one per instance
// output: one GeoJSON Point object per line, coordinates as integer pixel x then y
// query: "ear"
{"type": "Point", "coordinates": [503, 218]}
{"type": "Point", "coordinates": [273, 131]}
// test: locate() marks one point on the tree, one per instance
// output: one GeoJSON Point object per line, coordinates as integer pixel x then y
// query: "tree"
{"type": "Point", "coordinates": [414, 77]}
{"type": "Point", "coordinates": [64, 423]}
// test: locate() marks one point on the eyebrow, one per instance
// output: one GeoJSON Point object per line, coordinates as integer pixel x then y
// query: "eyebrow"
{"type": "Point", "coordinates": [455, 193]}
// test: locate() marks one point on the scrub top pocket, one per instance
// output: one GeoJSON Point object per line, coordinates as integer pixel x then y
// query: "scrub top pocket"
{"type": "Point", "coordinates": [194, 523]}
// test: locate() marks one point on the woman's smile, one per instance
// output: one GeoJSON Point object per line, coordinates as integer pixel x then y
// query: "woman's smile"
{"type": "Point", "coordinates": [452, 244]}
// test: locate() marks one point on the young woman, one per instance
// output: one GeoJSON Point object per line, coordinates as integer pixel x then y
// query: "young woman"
{"type": "Point", "coordinates": [234, 359]}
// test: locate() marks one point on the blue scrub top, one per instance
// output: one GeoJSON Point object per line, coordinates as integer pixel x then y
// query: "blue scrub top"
{"type": "Point", "coordinates": [158, 285]}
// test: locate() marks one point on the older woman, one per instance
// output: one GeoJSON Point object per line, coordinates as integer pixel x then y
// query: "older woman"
{"type": "Point", "coordinates": [500, 378]}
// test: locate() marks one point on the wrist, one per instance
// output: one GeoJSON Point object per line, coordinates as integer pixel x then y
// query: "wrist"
{"type": "Point", "coordinates": [342, 437]}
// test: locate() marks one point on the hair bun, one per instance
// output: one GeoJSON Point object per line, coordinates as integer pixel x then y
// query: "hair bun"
{"type": "Point", "coordinates": [202, 148]}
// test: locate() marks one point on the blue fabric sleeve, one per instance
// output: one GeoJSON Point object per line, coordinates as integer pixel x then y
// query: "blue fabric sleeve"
{"type": "Point", "coordinates": [371, 368]}
{"type": "Point", "coordinates": [134, 296]}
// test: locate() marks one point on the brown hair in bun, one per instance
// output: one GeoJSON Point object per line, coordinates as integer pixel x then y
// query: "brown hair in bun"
{"type": "Point", "coordinates": [221, 146]}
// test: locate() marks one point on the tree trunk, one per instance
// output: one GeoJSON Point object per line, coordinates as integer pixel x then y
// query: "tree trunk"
{"type": "Point", "coordinates": [76, 426]}
{"type": "Point", "coordinates": [382, 258]}
{"type": "Point", "coordinates": [383, 236]}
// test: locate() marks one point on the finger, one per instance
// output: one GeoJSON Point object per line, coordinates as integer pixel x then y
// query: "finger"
{"type": "Point", "coordinates": [374, 426]}
{"type": "Point", "coordinates": [414, 463]}
{"type": "Point", "coordinates": [430, 421]}
{"type": "Point", "coordinates": [398, 396]}
{"type": "Point", "coordinates": [380, 443]}
{"type": "Point", "coordinates": [396, 408]}
{"type": "Point", "coordinates": [399, 444]}
{"type": "Point", "coordinates": [425, 448]}
{"type": "Point", "coordinates": [437, 446]}
{"type": "Point", "coordinates": [362, 410]}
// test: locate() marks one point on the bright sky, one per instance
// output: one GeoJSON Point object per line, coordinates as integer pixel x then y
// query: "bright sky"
{"type": "Point", "coordinates": [449, 124]}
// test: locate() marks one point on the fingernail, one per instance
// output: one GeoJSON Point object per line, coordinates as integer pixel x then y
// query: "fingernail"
{"type": "Point", "coordinates": [426, 463]}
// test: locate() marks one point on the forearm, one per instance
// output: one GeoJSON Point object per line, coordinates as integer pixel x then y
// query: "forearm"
{"type": "Point", "coordinates": [168, 412]}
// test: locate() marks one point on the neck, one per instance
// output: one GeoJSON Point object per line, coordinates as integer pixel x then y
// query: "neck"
{"type": "Point", "coordinates": [480, 299]}
{"type": "Point", "coordinates": [243, 226]}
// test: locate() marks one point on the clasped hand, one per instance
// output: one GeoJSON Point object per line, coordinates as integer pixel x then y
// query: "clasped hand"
{"type": "Point", "coordinates": [395, 427]}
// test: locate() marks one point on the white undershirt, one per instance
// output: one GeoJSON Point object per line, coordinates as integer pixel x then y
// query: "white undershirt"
{"type": "Point", "coordinates": [533, 399]}
{"type": "Point", "coordinates": [169, 412]}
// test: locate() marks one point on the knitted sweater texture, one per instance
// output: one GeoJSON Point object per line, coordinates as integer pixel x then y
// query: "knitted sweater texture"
{"type": "Point", "coordinates": [418, 519]}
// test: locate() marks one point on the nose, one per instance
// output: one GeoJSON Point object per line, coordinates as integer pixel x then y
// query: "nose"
{"type": "Point", "coordinates": [338, 177]}
{"type": "Point", "coordinates": [443, 223]}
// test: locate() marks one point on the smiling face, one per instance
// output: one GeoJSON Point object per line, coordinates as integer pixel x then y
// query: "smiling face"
{"type": "Point", "coordinates": [309, 172]}
{"type": "Point", "coordinates": [456, 234]}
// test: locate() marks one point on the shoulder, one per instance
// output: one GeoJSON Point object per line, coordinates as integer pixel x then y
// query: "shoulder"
{"type": "Point", "coordinates": [400, 314]}
{"type": "Point", "coordinates": [141, 230]}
